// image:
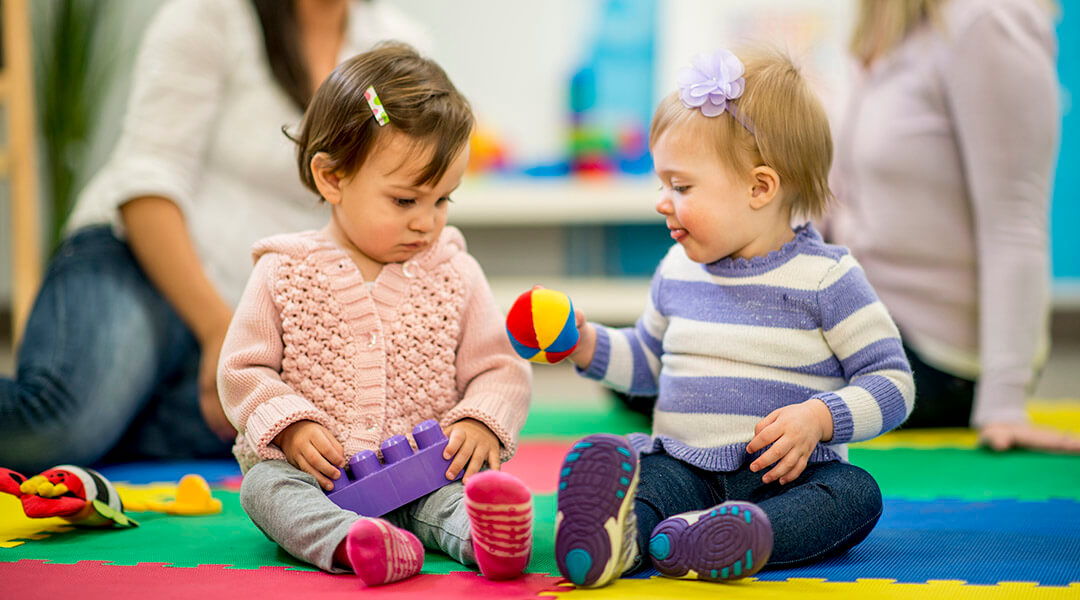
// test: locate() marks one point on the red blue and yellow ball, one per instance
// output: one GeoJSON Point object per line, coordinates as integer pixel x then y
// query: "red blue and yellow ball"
{"type": "Point", "coordinates": [541, 326]}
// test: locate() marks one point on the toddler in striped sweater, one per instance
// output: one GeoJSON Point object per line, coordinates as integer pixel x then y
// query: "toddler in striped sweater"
{"type": "Point", "coordinates": [767, 348]}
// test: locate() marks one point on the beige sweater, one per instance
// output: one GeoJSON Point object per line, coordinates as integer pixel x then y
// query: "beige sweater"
{"type": "Point", "coordinates": [943, 167]}
{"type": "Point", "coordinates": [312, 340]}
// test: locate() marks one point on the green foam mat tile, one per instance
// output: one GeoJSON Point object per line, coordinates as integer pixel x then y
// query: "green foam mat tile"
{"type": "Point", "coordinates": [973, 475]}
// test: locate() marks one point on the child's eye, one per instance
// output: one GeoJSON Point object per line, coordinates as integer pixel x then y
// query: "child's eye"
{"type": "Point", "coordinates": [446, 200]}
{"type": "Point", "coordinates": [404, 202]}
{"type": "Point", "coordinates": [680, 189]}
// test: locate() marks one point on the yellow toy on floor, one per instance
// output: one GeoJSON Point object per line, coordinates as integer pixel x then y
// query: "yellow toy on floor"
{"type": "Point", "coordinates": [192, 498]}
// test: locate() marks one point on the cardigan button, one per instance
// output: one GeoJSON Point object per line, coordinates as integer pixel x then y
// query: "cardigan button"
{"type": "Point", "coordinates": [374, 340]}
{"type": "Point", "coordinates": [406, 271]}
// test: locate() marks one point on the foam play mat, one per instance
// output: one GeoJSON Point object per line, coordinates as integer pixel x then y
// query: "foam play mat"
{"type": "Point", "coordinates": [959, 522]}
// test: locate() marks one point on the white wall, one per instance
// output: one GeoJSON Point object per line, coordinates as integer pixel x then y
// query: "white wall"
{"type": "Point", "coordinates": [514, 59]}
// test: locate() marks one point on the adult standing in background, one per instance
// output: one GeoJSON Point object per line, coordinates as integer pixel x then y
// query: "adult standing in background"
{"type": "Point", "coordinates": [944, 160]}
{"type": "Point", "coordinates": [121, 348]}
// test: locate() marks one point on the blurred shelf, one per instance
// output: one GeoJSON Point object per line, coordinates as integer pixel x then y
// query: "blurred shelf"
{"type": "Point", "coordinates": [608, 300]}
{"type": "Point", "coordinates": [521, 201]}
{"type": "Point", "coordinates": [1065, 294]}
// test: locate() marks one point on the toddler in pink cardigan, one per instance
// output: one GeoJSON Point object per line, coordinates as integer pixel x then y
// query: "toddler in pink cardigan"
{"type": "Point", "coordinates": [356, 332]}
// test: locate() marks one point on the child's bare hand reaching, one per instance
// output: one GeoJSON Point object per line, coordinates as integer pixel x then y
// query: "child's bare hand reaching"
{"type": "Point", "coordinates": [309, 447]}
{"type": "Point", "coordinates": [794, 431]}
{"type": "Point", "coordinates": [471, 443]}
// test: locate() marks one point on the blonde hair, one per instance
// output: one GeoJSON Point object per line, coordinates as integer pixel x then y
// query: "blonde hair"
{"type": "Point", "coordinates": [880, 25]}
{"type": "Point", "coordinates": [790, 131]}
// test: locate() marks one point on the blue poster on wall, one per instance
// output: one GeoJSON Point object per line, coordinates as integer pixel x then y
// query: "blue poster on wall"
{"type": "Point", "coordinates": [1065, 210]}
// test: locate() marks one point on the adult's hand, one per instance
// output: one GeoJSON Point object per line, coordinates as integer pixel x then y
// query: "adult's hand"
{"type": "Point", "coordinates": [1003, 436]}
{"type": "Point", "coordinates": [209, 400]}
{"type": "Point", "coordinates": [158, 237]}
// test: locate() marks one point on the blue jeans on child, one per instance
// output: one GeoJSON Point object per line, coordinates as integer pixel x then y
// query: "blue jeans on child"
{"type": "Point", "coordinates": [828, 509]}
{"type": "Point", "coordinates": [105, 365]}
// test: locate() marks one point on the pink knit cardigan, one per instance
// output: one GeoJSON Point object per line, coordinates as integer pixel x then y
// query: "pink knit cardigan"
{"type": "Point", "coordinates": [312, 340]}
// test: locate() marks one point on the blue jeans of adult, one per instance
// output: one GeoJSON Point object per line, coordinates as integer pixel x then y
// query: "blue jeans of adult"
{"type": "Point", "coordinates": [828, 509]}
{"type": "Point", "coordinates": [105, 367]}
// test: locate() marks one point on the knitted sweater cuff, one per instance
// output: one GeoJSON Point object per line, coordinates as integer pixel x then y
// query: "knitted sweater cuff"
{"type": "Point", "coordinates": [272, 417]}
{"type": "Point", "coordinates": [999, 402]}
{"type": "Point", "coordinates": [843, 423]}
{"type": "Point", "coordinates": [601, 356]}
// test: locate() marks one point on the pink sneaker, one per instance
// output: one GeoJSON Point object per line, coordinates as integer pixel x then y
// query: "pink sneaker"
{"type": "Point", "coordinates": [381, 553]}
{"type": "Point", "coordinates": [501, 514]}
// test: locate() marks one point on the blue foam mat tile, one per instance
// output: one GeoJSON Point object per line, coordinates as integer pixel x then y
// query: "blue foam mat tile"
{"type": "Point", "coordinates": [214, 471]}
{"type": "Point", "coordinates": [981, 543]}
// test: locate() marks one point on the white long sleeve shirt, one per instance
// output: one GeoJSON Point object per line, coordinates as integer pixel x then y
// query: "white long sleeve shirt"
{"type": "Point", "coordinates": [203, 129]}
{"type": "Point", "coordinates": [944, 161]}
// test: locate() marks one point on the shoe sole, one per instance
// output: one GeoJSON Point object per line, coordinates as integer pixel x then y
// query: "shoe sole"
{"type": "Point", "coordinates": [730, 541]}
{"type": "Point", "coordinates": [596, 492]}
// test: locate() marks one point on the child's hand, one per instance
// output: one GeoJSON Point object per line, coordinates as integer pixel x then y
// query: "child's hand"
{"type": "Point", "coordinates": [309, 447]}
{"type": "Point", "coordinates": [794, 431]}
{"type": "Point", "coordinates": [582, 355]}
{"type": "Point", "coordinates": [471, 443]}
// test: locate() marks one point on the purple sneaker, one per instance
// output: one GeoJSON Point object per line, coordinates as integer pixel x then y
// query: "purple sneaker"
{"type": "Point", "coordinates": [595, 526]}
{"type": "Point", "coordinates": [729, 541]}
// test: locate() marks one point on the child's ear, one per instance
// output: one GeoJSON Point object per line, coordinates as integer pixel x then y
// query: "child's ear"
{"type": "Point", "coordinates": [765, 186]}
{"type": "Point", "coordinates": [326, 178]}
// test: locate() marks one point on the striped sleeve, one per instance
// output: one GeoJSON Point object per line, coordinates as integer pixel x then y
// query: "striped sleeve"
{"type": "Point", "coordinates": [628, 359]}
{"type": "Point", "coordinates": [857, 327]}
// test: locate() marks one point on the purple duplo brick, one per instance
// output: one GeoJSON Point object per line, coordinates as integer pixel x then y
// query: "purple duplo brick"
{"type": "Point", "coordinates": [372, 488]}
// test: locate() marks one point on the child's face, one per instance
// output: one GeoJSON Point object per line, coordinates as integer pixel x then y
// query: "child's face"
{"type": "Point", "coordinates": [383, 213]}
{"type": "Point", "coordinates": [707, 208]}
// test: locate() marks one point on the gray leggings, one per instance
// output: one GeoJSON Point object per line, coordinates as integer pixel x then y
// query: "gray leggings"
{"type": "Point", "coordinates": [288, 506]}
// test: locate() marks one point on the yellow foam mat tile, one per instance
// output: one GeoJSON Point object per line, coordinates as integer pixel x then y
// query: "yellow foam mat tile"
{"type": "Point", "coordinates": [137, 497]}
{"type": "Point", "coordinates": [16, 528]}
{"type": "Point", "coordinates": [1062, 414]}
{"type": "Point", "coordinates": [659, 588]}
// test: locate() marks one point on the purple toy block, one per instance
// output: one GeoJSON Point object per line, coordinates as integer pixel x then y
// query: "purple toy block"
{"type": "Point", "coordinates": [372, 488]}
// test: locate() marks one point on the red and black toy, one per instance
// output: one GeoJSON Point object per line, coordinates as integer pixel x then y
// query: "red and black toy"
{"type": "Point", "coordinates": [79, 495]}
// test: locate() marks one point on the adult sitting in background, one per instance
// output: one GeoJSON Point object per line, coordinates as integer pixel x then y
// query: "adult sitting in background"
{"type": "Point", "coordinates": [121, 348]}
{"type": "Point", "coordinates": [944, 160]}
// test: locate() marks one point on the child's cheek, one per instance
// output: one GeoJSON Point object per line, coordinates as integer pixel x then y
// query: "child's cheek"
{"type": "Point", "coordinates": [686, 215]}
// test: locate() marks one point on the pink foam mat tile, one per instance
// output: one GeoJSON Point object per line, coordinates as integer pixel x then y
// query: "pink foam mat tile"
{"type": "Point", "coordinates": [99, 580]}
{"type": "Point", "coordinates": [537, 463]}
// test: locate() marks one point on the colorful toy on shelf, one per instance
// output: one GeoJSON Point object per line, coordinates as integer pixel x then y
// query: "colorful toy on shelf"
{"type": "Point", "coordinates": [78, 495]}
{"type": "Point", "coordinates": [541, 326]}
{"type": "Point", "coordinates": [372, 488]}
{"type": "Point", "coordinates": [486, 152]}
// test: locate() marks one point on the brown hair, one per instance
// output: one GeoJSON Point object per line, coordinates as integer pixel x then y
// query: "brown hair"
{"type": "Point", "coordinates": [281, 41]}
{"type": "Point", "coordinates": [417, 95]}
{"type": "Point", "coordinates": [790, 129]}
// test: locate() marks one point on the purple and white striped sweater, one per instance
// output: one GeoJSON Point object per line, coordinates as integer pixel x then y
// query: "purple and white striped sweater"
{"type": "Point", "coordinates": [725, 344]}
